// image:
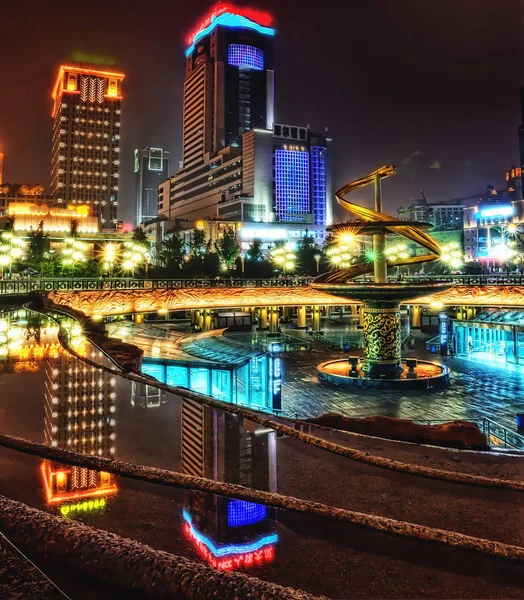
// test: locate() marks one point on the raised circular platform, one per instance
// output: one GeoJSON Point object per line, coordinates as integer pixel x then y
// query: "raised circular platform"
{"type": "Point", "coordinates": [426, 375]}
{"type": "Point", "coordinates": [383, 292]}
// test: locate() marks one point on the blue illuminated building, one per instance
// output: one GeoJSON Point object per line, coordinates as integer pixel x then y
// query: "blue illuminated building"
{"type": "Point", "coordinates": [292, 184]}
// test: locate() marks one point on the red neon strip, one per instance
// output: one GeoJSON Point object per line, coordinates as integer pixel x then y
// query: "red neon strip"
{"type": "Point", "coordinates": [260, 17]}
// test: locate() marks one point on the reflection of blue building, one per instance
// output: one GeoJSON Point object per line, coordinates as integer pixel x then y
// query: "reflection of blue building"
{"type": "Point", "coordinates": [227, 371]}
{"type": "Point", "coordinates": [227, 533]}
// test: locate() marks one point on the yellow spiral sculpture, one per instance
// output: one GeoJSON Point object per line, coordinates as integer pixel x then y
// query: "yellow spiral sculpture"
{"type": "Point", "coordinates": [385, 223]}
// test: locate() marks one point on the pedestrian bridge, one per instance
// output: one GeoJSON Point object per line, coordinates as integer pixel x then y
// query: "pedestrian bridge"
{"type": "Point", "coordinates": [118, 296]}
{"type": "Point", "coordinates": [99, 303]}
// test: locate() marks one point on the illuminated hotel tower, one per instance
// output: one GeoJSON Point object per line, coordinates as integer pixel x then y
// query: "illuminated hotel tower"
{"type": "Point", "coordinates": [86, 140]}
{"type": "Point", "coordinates": [79, 416]}
{"type": "Point", "coordinates": [238, 164]}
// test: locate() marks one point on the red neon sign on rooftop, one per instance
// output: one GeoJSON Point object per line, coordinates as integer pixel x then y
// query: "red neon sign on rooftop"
{"type": "Point", "coordinates": [260, 17]}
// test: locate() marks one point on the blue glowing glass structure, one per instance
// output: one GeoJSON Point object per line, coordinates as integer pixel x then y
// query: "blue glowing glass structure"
{"type": "Point", "coordinates": [318, 184]}
{"type": "Point", "coordinates": [241, 513]}
{"type": "Point", "coordinates": [230, 20]}
{"type": "Point", "coordinates": [292, 201]}
{"type": "Point", "coordinates": [245, 57]}
{"type": "Point", "coordinates": [233, 548]}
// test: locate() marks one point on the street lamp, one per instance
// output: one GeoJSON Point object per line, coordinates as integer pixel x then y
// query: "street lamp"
{"type": "Point", "coordinates": [317, 258]}
{"type": "Point", "coordinates": [242, 259]}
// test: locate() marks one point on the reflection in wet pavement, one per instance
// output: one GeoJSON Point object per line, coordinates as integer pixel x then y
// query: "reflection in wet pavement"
{"type": "Point", "coordinates": [60, 400]}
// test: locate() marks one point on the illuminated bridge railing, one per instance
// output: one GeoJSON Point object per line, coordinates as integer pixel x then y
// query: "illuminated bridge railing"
{"type": "Point", "coordinates": [23, 286]}
{"type": "Point", "coordinates": [495, 279]}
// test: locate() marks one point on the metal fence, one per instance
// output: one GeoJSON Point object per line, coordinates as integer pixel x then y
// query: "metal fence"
{"type": "Point", "coordinates": [498, 435]}
{"type": "Point", "coordinates": [22, 286]}
{"type": "Point", "coordinates": [495, 279]}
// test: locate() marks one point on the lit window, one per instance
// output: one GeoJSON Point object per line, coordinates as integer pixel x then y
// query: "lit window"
{"type": "Point", "coordinates": [245, 57]}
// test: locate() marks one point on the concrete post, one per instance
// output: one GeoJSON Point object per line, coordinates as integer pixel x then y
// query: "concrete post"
{"type": "Point", "coordinates": [208, 320]}
{"type": "Point", "coordinates": [301, 317]}
{"type": "Point", "coordinates": [262, 318]}
{"type": "Point", "coordinates": [273, 319]}
{"type": "Point", "coordinates": [416, 316]}
{"type": "Point", "coordinates": [317, 313]}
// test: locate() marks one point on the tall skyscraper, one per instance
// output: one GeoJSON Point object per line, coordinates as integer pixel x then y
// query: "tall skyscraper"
{"type": "Point", "coordinates": [86, 140]}
{"type": "Point", "coordinates": [228, 87]}
{"type": "Point", "coordinates": [238, 164]}
{"type": "Point", "coordinates": [151, 169]}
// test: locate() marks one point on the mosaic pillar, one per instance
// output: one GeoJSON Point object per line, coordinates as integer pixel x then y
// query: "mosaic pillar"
{"type": "Point", "coordinates": [286, 313]}
{"type": "Point", "coordinates": [273, 319]}
{"type": "Point", "coordinates": [200, 319]}
{"type": "Point", "coordinates": [138, 318]}
{"type": "Point", "coordinates": [317, 314]}
{"type": "Point", "coordinates": [354, 311]}
{"type": "Point", "coordinates": [382, 341]}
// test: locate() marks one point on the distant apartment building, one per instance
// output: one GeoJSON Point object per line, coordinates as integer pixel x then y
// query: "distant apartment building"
{"type": "Point", "coordinates": [151, 169]}
{"type": "Point", "coordinates": [486, 231]}
{"type": "Point", "coordinates": [86, 140]}
{"type": "Point", "coordinates": [442, 215]}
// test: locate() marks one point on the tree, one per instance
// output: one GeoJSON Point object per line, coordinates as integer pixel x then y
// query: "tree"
{"type": "Point", "coordinates": [73, 232]}
{"type": "Point", "coordinates": [306, 251]}
{"type": "Point", "coordinates": [38, 244]}
{"type": "Point", "coordinates": [254, 252]}
{"type": "Point", "coordinates": [198, 244]}
{"type": "Point", "coordinates": [227, 247]}
{"type": "Point", "coordinates": [140, 237]}
{"type": "Point", "coordinates": [171, 251]}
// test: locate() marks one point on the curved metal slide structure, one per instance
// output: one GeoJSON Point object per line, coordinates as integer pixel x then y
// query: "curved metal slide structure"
{"type": "Point", "coordinates": [389, 224]}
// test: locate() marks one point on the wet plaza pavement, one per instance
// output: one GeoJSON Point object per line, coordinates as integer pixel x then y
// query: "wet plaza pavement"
{"type": "Point", "coordinates": [476, 391]}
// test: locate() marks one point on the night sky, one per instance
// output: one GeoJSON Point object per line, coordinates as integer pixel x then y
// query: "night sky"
{"type": "Point", "coordinates": [431, 86]}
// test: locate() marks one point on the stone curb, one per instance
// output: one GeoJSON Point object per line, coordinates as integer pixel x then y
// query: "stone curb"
{"type": "Point", "coordinates": [133, 566]}
{"type": "Point", "coordinates": [180, 480]}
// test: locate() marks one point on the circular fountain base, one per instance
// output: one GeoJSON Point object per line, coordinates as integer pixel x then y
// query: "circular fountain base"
{"type": "Point", "coordinates": [424, 375]}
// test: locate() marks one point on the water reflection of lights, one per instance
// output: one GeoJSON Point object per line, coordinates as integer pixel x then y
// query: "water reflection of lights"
{"type": "Point", "coordinates": [233, 556]}
{"type": "Point", "coordinates": [79, 405]}
{"type": "Point", "coordinates": [85, 506]}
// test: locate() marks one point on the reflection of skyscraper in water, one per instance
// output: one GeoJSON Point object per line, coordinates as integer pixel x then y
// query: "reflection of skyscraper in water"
{"type": "Point", "coordinates": [79, 416]}
{"type": "Point", "coordinates": [229, 534]}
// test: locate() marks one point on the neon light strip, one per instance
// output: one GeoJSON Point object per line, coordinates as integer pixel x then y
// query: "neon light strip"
{"type": "Point", "coordinates": [230, 20]}
{"type": "Point", "coordinates": [227, 550]}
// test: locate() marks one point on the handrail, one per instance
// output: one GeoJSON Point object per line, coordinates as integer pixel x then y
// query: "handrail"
{"type": "Point", "coordinates": [21, 286]}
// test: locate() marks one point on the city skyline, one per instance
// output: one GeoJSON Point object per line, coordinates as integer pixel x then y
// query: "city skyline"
{"type": "Point", "coordinates": [447, 117]}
